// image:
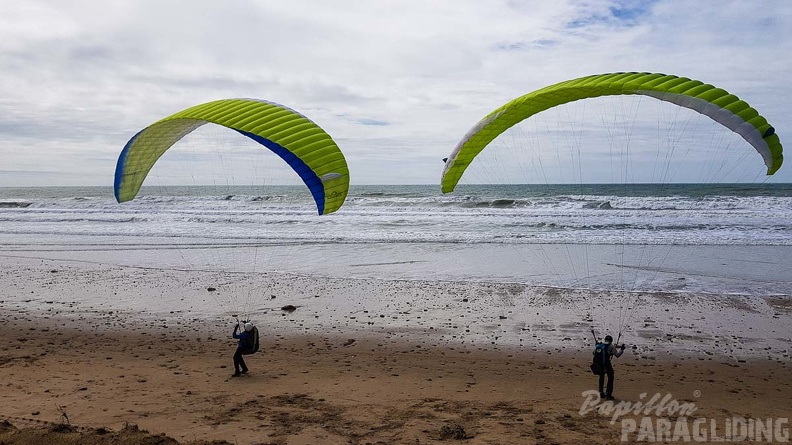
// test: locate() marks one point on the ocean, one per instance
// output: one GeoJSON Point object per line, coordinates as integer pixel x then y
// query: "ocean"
{"type": "Point", "coordinates": [724, 238]}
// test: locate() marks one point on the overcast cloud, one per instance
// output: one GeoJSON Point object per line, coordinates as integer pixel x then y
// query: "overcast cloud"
{"type": "Point", "coordinates": [395, 82]}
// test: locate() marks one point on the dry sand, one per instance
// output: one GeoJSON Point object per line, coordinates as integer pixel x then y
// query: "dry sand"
{"type": "Point", "coordinates": [101, 367]}
{"type": "Point", "coordinates": [305, 390]}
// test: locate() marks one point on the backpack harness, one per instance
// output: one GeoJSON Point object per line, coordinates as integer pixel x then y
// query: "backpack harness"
{"type": "Point", "coordinates": [250, 345]}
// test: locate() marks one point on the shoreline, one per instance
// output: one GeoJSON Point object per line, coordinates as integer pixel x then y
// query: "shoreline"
{"type": "Point", "coordinates": [709, 268]}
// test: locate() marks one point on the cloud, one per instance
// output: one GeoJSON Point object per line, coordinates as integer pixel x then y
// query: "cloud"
{"type": "Point", "coordinates": [396, 82]}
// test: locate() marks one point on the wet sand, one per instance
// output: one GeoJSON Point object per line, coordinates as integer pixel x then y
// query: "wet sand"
{"type": "Point", "coordinates": [343, 380]}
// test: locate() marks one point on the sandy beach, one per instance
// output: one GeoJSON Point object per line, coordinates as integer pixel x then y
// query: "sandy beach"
{"type": "Point", "coordinates": [342, 379]}
{"type": "Point", "coordinates": [432, 213]}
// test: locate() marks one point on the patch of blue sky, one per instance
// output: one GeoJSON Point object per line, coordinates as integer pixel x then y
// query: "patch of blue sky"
{"type": "Point", "coordinates": [630, 10]}
{"type": "Point", "coordinates": [372, 122]}
{"type": "Point", "coordinates": [621, 13]}
{"type": "Point", "coordinates": [520, 46]}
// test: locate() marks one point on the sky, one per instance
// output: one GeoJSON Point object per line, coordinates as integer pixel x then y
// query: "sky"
{"type": "Point", "coordinates": [396, 83]}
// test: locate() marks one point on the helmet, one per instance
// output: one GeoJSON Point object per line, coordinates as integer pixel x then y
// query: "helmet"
{"type": "Point", "coordinates": [608, 339]}
{"type": "Point", "coordinates": [248, 327]}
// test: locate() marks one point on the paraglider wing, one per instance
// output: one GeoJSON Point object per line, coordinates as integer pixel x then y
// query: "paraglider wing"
{"type": "Point", "coordinates": [706, 99]}
{"type": "Point", "coordinates": [308, 149]}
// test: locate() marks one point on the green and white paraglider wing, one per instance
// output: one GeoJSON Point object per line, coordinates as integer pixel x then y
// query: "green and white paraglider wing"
{"type": "Point", "coordinates": [306, 147]}
{"type": "Point", "coordinates": [726, 109]}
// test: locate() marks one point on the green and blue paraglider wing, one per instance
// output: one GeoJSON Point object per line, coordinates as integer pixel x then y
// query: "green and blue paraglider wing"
{"type": "Point", "coordinates": [308, 149]}
{"type": "Point", "coordinates": [706, 99]}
